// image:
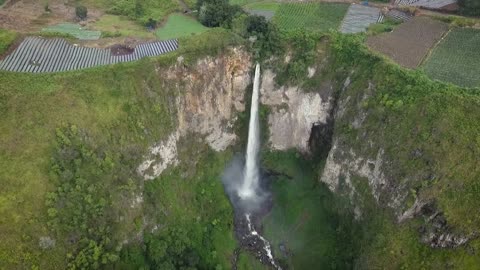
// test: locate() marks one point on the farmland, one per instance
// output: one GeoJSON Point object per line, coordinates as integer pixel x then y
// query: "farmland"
{"type": "Point", "coordinates": [409, 43]}
{"type": "Point", "coordinates": [74, 30]}
{"type": "Point", "coordinates": [179, 25]}
{"type": "Point", "coordinates": [456, 58]}
{"type": "Point", "coordinates": [318, 17]}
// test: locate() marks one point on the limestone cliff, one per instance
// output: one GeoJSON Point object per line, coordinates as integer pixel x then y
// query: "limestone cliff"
{"type": "Point", "coordinates": [209, 93]}
{"type": "Point", "coordinates": [293, 112]}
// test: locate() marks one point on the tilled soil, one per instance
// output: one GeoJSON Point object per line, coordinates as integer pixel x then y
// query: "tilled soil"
{"type": "Point", "coordinates": [30, 15]}
{"type": "Point", "coordinates": [410, 42]}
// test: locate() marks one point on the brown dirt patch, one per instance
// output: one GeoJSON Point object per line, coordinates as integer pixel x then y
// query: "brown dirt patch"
{"type": "Point", "coordinates": [121, 50]}
{"type": "Point", "coordinates": [409, 43]}
{"type": "Point", "coordinates": [30, 15]}
{"type": "Point", "coordinates": [127, 42]}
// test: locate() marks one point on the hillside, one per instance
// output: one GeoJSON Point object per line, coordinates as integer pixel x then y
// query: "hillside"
{"type": "Point", "coordinates": [366, 160]}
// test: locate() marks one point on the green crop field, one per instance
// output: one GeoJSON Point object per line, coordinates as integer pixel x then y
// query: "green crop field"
{"type": "Point", "coordinates": [269, 6]}
{"type": "Point", "coordinates": [244, 2]}
{"type": "Point", "coordinates": [456, 58]}
{"type": "Point", "coordinates": [74, 30]}
{"type": "Point", "coordinates": [179, 25]}
{"type": "Point", "coordinates": [318, 17]}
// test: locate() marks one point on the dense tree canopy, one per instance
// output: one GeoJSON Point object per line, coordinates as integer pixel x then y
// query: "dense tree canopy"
{"type": "Point", "coordinates": [214, 13]}
{"type": "Point", "coordinates": [469, 7]}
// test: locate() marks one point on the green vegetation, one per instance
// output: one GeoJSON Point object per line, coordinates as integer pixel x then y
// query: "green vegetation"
{"type": "Point", "coordinates": [147, 12]}
{"type": "Point", "coordinates": [193, 204]}
{"type": "Point", "coordinates": [71, 175]}
{"type": "Point", "coordinates": [456, 58]}
{"type": "Point", "coordinates": [214, 13]}
{"type": "Point", "coordinates": [270, 6]}
{"type": "Point", "coordinates": [437, 119]}
{"type": "Point", "coordinates": [6, 39]}
{"type": "Point", "coordinates": [81, 12]}
{"type": "Point", "coordinates": [120, 26]}
{"type": "Point", "coordinates": [315, 17]}
{"type": "Point", "coordinates": [74, 30]}
{"type": "Point", "coordinates": [469, 7]}
{"type": "Point", "coordinates": [306, 219]}
{"type": "Point", "coordinates": [386, 26]}
{"type": "Point", "coordinates": [243, 2]}
{"type": "Point", "coordinates": [179, 25]}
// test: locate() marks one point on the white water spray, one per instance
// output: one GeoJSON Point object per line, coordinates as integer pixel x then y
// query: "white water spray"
{"type": "Point", "coordinates": [250, 176]}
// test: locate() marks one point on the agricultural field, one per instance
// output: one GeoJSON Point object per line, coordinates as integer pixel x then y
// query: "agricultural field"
{"type": "Point", "coordinates": [179, 25]}
{"type": "Point", "coordinates": [243, 2]}
{"type": "Point", "coordinates": [410, 42]}
{"type": "Point", "coordinates": [318, 17]}
{"type": "Point", "coordinates": [456, 59]}
{"type": "Point", "coordinates": [74, 30]}
{"type": "Point", "coordinates": [268, 6]}
{"type": "Point", "coordinates": [359, 18]}
{"type": "Point", "coordinates": [121, 26]}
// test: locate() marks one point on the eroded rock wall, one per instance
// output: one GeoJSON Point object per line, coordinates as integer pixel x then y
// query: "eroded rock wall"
{"type": "Point", "coordinates": [293, 112]}
{"type": "Point", "coordinates": [209, 94]}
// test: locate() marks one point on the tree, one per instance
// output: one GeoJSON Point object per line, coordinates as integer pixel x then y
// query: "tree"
{"type": "Point", "coordinates": [469, 7]}
{"type": "Point", "coordinates": [81, 12]}
{"type": "Point", "coordinates": [215, 13]}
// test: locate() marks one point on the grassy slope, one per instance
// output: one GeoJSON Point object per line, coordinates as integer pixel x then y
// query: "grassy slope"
{"type": "Point", "coordinates": [407, 111]}
{"type": "Point", "coordinates": [179, 25]}
{"type": "Point", "coordinates": [306, 217]}
{"type": "Point", "coordinates": [108, 103]}
{"type": "Point", "coordinates": [121, 25]}
{"type": "Point", "coordinates": [6, 39]}
{"type": "Point", "coordinates": [456, 58]}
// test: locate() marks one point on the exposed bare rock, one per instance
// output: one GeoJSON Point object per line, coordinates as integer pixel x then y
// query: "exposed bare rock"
{"type": "Point", "coordinates": [210, 93]}
{"type": "Point", "coordinates": [293, 113]}
{"type": "Point", "coordinates": [161, 156]}
{"type": "Point", "coordinates": [46, 242]}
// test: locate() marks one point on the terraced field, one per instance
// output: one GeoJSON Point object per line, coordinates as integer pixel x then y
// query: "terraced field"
{"type": "Point", "coordinates": [359, 17]}
{"type": "Point", "coordinates": [456, 59]}
{"type": "Point", "coordinates": [53, 55]}
{"type": "Point", "coordinates": [318, 17]}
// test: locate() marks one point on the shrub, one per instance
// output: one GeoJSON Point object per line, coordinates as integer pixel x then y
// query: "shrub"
{"type": "Point", "coordinates": [214, 13]}
{"type": "Point", "coordinates": [81, 12]}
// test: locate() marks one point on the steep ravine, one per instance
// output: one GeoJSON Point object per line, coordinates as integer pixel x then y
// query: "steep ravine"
{"type": "Point", "coordinates": [373, 148]}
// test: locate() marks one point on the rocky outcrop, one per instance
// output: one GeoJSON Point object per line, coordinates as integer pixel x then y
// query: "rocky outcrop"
{"type": "Point", "coordinates": [348, 165]}
{"type": "Point", "coordinates": [209, 94]}
{"type": "Point", "coordinates": [293, 112]}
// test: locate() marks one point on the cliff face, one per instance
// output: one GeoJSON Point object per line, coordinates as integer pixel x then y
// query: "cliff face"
{"type": "Point", "coordinates": [294, 112]}
{"type": "Point", "coordinates": [389, 136]}
{"type": "Point", "coordinates": [376, 143]}
{"type": "Point", "coordinates": [209, 94]}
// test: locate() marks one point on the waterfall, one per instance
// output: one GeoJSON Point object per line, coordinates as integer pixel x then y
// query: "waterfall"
{"type": "Point", "coordinates": [251, 171]}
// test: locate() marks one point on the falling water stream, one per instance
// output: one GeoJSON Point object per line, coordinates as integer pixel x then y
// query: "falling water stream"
{"type": "Point", "coordinates": [251, 171]}
{"type": "Point", "coordinates": [249, 190]}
